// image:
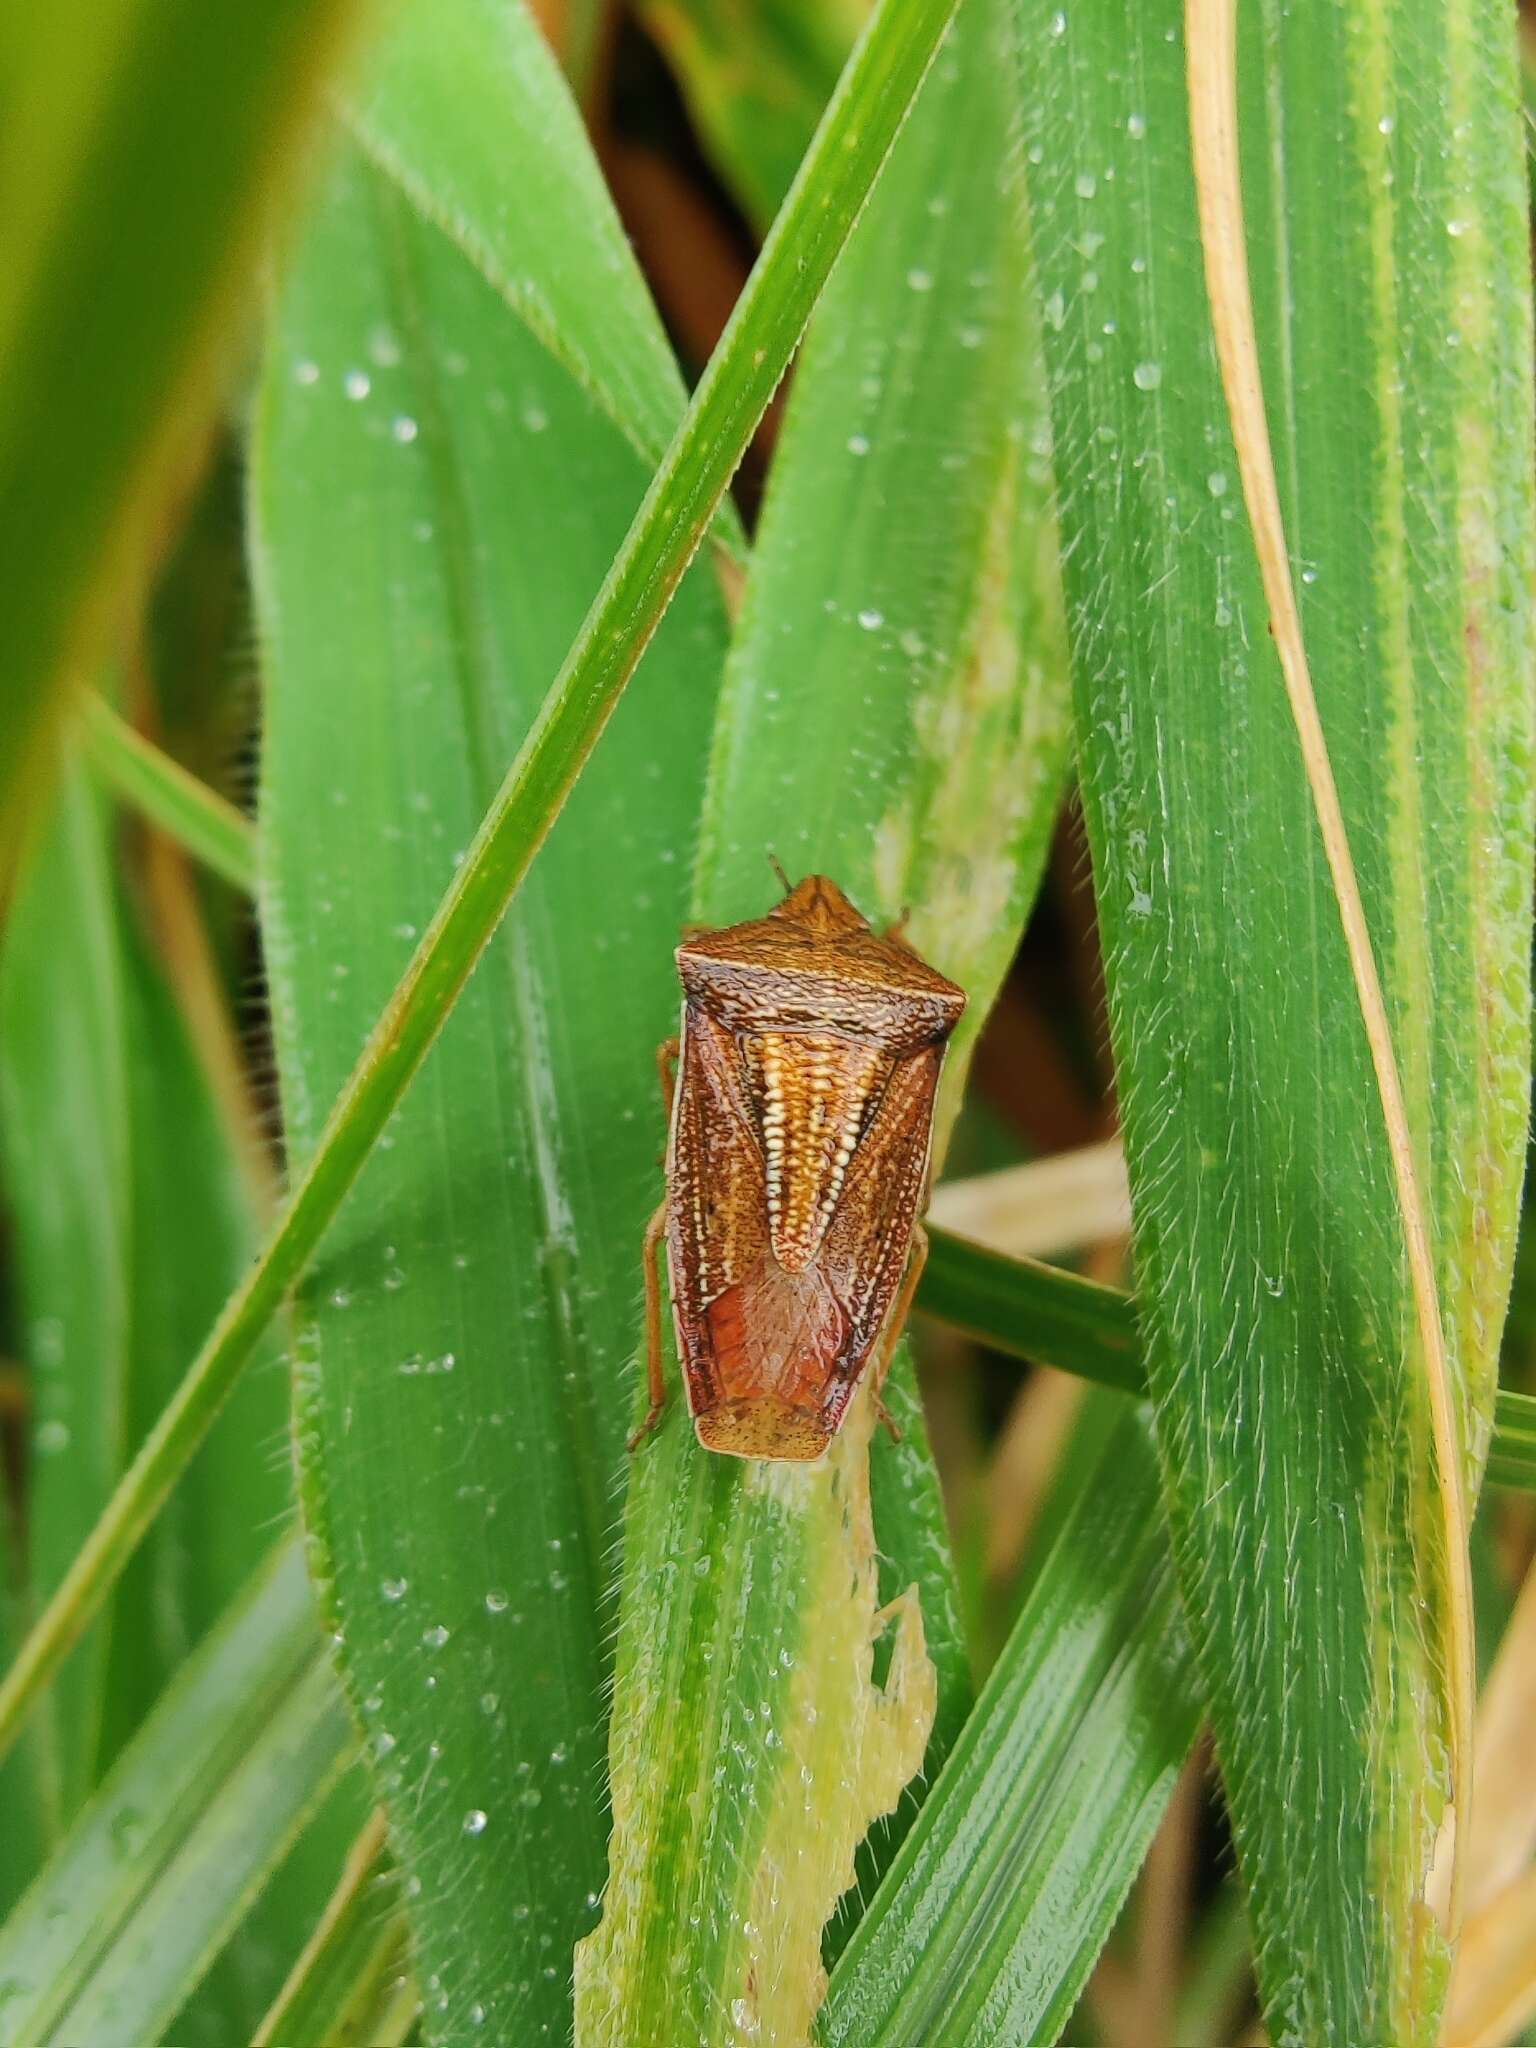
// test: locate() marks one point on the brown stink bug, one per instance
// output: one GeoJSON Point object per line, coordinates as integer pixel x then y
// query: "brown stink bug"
{"type": "Point", "coordinates": [797, 1162]}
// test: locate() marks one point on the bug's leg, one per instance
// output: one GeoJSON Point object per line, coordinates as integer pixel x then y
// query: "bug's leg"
{"type": "Point", "coordinates": [917, 1258]}
{"type": "Point", "coordinates": [655, 1376]}
{"type": "Point", "coordinates": [668, 1053]}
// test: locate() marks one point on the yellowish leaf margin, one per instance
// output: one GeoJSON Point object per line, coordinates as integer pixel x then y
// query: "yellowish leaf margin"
{"type": "Point", "coordinates": [1211, 55]}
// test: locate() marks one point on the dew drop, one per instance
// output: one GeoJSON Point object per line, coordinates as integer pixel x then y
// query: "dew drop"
{"type": "Point", "coordinates": [920, 280]}
{"type": "Point", "coordinates": [404, 428]}
{"type": "Point", "coordinates": [858, 444]}
{"type": "Point", "coordinates": [357, 384]}
{"type": "Point", "coordinates": [474, 1821]}
{"type": "Point", "coordinates": [306, 373]}
{"type": "Point", "coordinates": [394, 1589]}
{"type": "Point", "coordinates": [496, 1601]}
{"type": "Point", "coordinates": [1147, 376]}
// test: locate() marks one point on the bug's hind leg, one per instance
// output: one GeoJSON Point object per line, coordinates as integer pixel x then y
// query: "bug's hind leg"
{"type": "Point", "coordinates": [917, 1258]}
{"type": "Point", "coordinates": [656, 1378]}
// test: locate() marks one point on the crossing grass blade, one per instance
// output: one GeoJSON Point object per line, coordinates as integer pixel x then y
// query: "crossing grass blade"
{"type": "Point", "coordinates": [1052, 1317]}
{"type": "Point", "coordinates": [915, 709]}
{"type": "Point", "coordinates": [126, 1191]}
{"type": "Point", "coordinates": [1273, 1288]}
{"type": "Point", "coordinates": [352, 1987]}
{"type": "Point", "coordinates": [205, 824]}
{"type": "Point", "coordinates": [160, 1865]}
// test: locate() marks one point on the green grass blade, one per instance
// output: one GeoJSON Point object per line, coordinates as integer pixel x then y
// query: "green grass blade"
{"type": "Point", "coordinates": [1016, 1868]}
{"type": "Point", "coordinates": [849, 149]}
{"type": "Point", "coordinates": [29, 1786]}
{"type": "Point", "coordinates": [143, 139]}
{"type": "Point", "coordinates": [1051, 1317]}
{"type": "Point", "coordinates": [431, 110]}
{"type": "Point", "coordinates": [1512, 1454]}
{"type": "Point", "coordinates": [1282, 1346]}
{"type": "Point", "coordinates": [201, 821]}
{"type": "Point", "coordinates": [465, 1334]}
{"type": "Point", "coordinates": [756, 75]}
{"type": "Point", "coordinates": [132, 1214]}
{"type": "Point", "coordinates": [67, 1172]}
{"type": "Point", "coordinates": [1033, 1311]}
{"type": "Point", "coordinates": [347, 1985]}
{"type": "Point", "coordinates": [159, 1867]}
{"type": "Point", "coordinates": [884, 680]}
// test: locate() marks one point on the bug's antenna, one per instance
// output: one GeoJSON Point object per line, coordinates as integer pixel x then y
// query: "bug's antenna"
{"type": "Point", "coordinates": [778, 868]}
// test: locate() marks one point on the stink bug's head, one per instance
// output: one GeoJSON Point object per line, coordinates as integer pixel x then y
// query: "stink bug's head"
{"type": "Point", "coordinates": [814, 964]}
{"type": "Point", "coordinates": [820, 906]}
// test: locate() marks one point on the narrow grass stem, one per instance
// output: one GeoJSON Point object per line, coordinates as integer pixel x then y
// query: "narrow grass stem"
{"type": "Point", "coordinates": [201, 822]}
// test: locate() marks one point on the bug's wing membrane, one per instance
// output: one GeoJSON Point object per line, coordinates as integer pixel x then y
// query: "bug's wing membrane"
{"type": "Point", "coordinates": [743, 1326]}
{"type": "Point", "coordinates": [718, 1218]}
{"type": "Point", "coordinates": [772, 1354]}
{"type": "Point", "coordinates": [870, 1235]}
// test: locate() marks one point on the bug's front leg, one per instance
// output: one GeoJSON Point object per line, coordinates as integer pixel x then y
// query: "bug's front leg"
{"type": "Point", "coordinates": [917, 1258]}
{"type": "Point", "coordinates": [668, 1053]}
{"type": "Point", "coordinates": [655, 1376]}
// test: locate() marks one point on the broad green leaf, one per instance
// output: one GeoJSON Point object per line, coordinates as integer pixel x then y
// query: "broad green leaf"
{"type": "Point", "coordinates": [1015, 1870]}
{"type": "Point", "coordinates": [756, 75]}
{"type": "Point", "coordinates": [160, 1865]}
{"type": "Point", "coordinates": [1386, 237]}
{"type": "Point", "coordinates": [880, 681]}
{"type": "Point", "coordinates": [141, 145]}
{"type": "Point", "coordinates": [428, 531]}
{"type": "Point", "coordinates": [845, 157]}
{"type": "Point", "coordinates": [523, 200]}
{"type": "Point", "coordinates": [132, 1214]}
